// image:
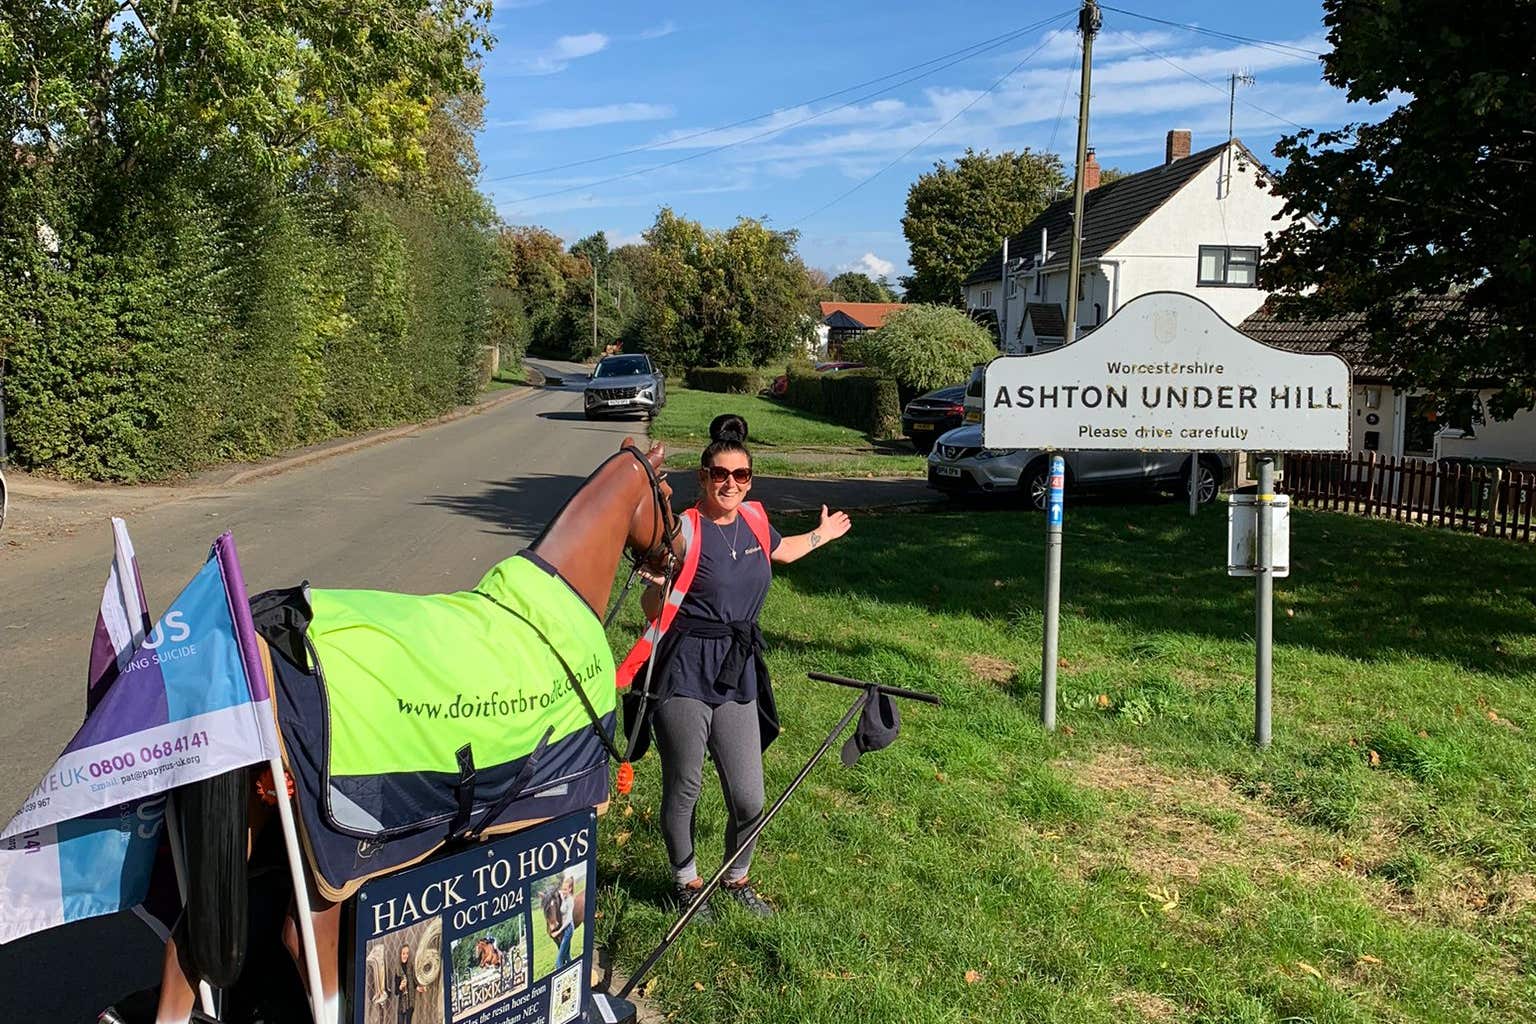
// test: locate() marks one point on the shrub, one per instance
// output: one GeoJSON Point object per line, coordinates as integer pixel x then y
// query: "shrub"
{"type": "Point", "coordinates": [866, 400]}
{"type": "Point", "coordinates": [729, 380]}
{"type": "Point", "coordinates": [926, 347]}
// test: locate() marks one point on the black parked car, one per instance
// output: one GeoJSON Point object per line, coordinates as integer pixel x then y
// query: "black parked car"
{"type": "Point", "coordinates": [928, 416]}
{"type": "Point", "coordinates": [626, 383]}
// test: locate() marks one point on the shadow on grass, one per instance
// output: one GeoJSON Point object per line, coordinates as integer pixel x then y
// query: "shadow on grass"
{"type": "Point", "coordinates": [1358, 588]}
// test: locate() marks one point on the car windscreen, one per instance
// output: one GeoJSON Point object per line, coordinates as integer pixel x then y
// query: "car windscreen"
{"type": "Point", "coordinates": [628, 366]}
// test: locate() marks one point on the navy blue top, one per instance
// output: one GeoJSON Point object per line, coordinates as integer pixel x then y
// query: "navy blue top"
{"type": "Point", "coordinates": [724, 589]}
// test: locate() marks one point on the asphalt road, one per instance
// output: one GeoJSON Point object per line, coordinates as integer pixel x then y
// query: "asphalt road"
{"type": "Point", "coordinates": [425, 513]}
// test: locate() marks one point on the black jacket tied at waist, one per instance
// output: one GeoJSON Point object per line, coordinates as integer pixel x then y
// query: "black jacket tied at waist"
{"type": "Point", "coordinates": [746, 643]}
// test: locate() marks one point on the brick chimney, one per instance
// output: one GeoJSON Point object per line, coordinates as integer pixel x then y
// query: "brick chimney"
{"type": "Point", "coordinates": [1090, 172]}
{"type": "Point", "coordinates": [1178, 145]}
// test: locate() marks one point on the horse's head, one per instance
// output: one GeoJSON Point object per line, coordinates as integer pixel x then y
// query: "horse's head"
{"type": "Point", "coordinates": [654, 535]}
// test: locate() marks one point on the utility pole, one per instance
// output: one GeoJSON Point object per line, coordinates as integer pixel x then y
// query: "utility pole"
{"type": "Point", "coordinates": [1002, 317]}
{"type": "Point", "coordinates": [593, 265]}
{"type": "Point", "coordinates": [1088, 21]}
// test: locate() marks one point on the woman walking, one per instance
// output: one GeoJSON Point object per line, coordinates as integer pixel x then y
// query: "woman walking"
{"type": "Point", "coordinates": [710, 691]}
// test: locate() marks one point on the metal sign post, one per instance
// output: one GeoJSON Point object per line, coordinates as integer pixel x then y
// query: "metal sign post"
{"type": "Point", "coordinates": [1264, 603]}
{"type": "Point", "coordinates": [1053, 516]}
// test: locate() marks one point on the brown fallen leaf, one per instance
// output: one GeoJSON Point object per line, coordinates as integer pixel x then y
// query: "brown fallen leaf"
{"type": "Point", "coordinates": [1375, 759]}
{"type": "Point", "coordinates": [1103, 700]}
{"type": "Point", "coordinates": [620, 838]}
{"type": "Point", "coordinates": [1068, 730]}
{"type": "Point", "coordinates": [1308, 968]}
{"type": "Point", "coordinates": [698, 986]}
{"type": "Point", "coordinates": [940, 777]}
{"type": "Point", "coordinates": [629, 811]}
{"type": "Point", "coordinates": [1063, 663]}
{"type": "Point", "coordinates": [1423, 735]}
{"type": "Point", "coordinates": [1366, 958]}
{"type": "Point", "coordinates": [972, 977]}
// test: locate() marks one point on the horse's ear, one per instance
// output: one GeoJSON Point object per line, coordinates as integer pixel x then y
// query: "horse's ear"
{"type": "Point", "coordinates": [657, 455]}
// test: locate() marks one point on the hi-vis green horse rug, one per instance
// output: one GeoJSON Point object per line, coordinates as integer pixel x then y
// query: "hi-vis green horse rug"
{"type": "Point", "coordinates": [412, 721]}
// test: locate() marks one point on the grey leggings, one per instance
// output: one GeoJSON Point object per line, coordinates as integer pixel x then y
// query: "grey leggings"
{"type": "Point", "coordinates": [685, 729]}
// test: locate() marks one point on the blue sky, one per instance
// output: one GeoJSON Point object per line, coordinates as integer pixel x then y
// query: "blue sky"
{"type": "Point", "coordinates": [572, 80]}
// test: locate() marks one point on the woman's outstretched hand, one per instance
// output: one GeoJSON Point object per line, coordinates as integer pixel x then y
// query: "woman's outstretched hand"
{"type": "Point", "coordinates": [833, 524]}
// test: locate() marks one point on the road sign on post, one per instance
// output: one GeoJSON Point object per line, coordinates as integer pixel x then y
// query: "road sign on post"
{"type": "Point", "coordinates": [1167, 373]}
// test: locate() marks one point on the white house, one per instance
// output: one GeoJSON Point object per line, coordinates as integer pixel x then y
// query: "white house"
{"type": "Point", "coordinates": [1193, 224]}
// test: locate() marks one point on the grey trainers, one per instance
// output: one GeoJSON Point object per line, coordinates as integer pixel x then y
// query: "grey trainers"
{"type": "Point", "coordinates": [684, 897]}
{"type": "Point", "coordinates": [748, 898]}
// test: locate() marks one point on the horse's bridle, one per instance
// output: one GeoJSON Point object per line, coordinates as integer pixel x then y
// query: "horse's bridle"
{"type": "Point", "coordinates": [662, 552]}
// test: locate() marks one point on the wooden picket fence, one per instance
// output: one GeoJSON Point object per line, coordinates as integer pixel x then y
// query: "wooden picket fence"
{"type": "Point", "coordinates": [1489, 500]}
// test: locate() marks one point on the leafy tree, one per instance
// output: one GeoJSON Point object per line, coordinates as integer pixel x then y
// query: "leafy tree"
{"type": "Point", "coordinates": [739, 297]}
{"type": "Point", "coordinates": [1430, 201]}
{"type": "Point", "coordinates": [854, 286]}
{"type": "Point", "coordinates": [957, 214]}
{"type": "Point", "coordinates": [594, 250]}
{"type": "Point", "coordinates": [1110, 174]}
{"type": "Point", "coordinates": [926, 346]}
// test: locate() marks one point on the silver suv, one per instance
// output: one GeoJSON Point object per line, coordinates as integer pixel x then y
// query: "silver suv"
{"type": "Point", "coordinates": [960, 464]}
{"type": "Point", "coordinates": [624, 383]}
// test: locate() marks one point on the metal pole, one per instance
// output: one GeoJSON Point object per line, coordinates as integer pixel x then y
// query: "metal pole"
{"type": "Point", "coordinates": [1264, 603]}
{"type": "Point", "coordinates": [1002, 319]}
{"type": "Point", "coordinates": [1088, 21]}
{"type": "Point", "coordinates": [1053, 515]}
{"type": "Point", "coordinates": [702, 898]}
{"type": "Point", "coordinates": [1194, 482]}
{"type": "Point", "coordinates": [594, 308]}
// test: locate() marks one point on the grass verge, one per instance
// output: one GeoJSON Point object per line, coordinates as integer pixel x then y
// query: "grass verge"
{"type": "Point", "coordinates": [506, 377]}
{"type": "Point", "coordinates": [1144, 862]}
{"type": "Point", "coordinates": [784, 441]}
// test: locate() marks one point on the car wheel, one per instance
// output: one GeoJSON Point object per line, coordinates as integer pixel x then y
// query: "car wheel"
{"type": "Point", "coordinates": [1207, 483]}
{"type": "Point", "coordinates": [1035, 485]}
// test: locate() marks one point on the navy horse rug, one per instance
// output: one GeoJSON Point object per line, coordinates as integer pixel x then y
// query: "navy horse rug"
{"type": "Point", "coordinates": [411, 721]}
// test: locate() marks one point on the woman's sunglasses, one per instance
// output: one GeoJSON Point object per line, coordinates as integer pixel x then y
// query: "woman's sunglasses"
{"type": "Point", "coordinates": [717, 474]}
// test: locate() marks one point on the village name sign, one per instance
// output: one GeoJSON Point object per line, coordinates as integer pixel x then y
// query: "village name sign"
{"type": "Point", "coordinates": [1167, 373]}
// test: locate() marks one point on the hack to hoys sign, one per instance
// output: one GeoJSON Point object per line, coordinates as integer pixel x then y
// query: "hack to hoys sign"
{"type": "Point", "coordinates": [1166, 373]}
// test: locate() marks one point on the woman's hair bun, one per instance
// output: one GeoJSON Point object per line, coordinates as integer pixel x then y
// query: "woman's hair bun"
{"type": "Point", "coordinates": [728, 427]}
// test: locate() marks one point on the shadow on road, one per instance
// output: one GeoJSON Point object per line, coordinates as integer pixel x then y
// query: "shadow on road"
{"type": "Point", "coordinates": [520, 507]}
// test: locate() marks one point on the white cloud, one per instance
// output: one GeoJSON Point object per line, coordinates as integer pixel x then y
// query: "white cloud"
{"type": "Point", "coordinates": [872, 266]}
{"type": "Point", "coordinates": [666, 28]}
{"type": "Point", "coordinates": [564, 118]}
{"type": "Point", "coordinates": [559, 55]}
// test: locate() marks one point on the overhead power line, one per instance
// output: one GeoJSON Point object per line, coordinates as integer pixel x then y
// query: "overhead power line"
{"type": "Point", "coordinates": [1219, 88]}
{"type": "Point", "coordinates": [925, 139]}
{"type": "Point", "coordinates": [965, 53]}
{"type": "Point", "coordinates": [1268, 44]}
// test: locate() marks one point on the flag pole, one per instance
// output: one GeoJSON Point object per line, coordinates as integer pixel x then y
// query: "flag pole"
{"type": "Point", "coordinates": [322, 1013]}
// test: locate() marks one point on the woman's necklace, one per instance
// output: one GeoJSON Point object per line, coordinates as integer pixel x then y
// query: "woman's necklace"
{"type": "Point", "coordinates": [735, 534]}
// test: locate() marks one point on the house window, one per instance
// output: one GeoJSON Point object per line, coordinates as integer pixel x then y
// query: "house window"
{"type": "Point", "coordinates": [986, 297]}
{"type": "Point", "coordinates": [1013, 287]}
{"type": "Point", "coordinates": [1039, 283]}
{"type": "Point", "coordinates": [1229, 266]}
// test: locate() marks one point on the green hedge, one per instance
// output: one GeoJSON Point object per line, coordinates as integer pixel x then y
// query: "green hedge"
{"type": "Point", "coordinates": [866, 400]}
{"type": "Point", "coordinates": [728, 380]}
{"type": "Point", "coordinates": [199, 325]}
